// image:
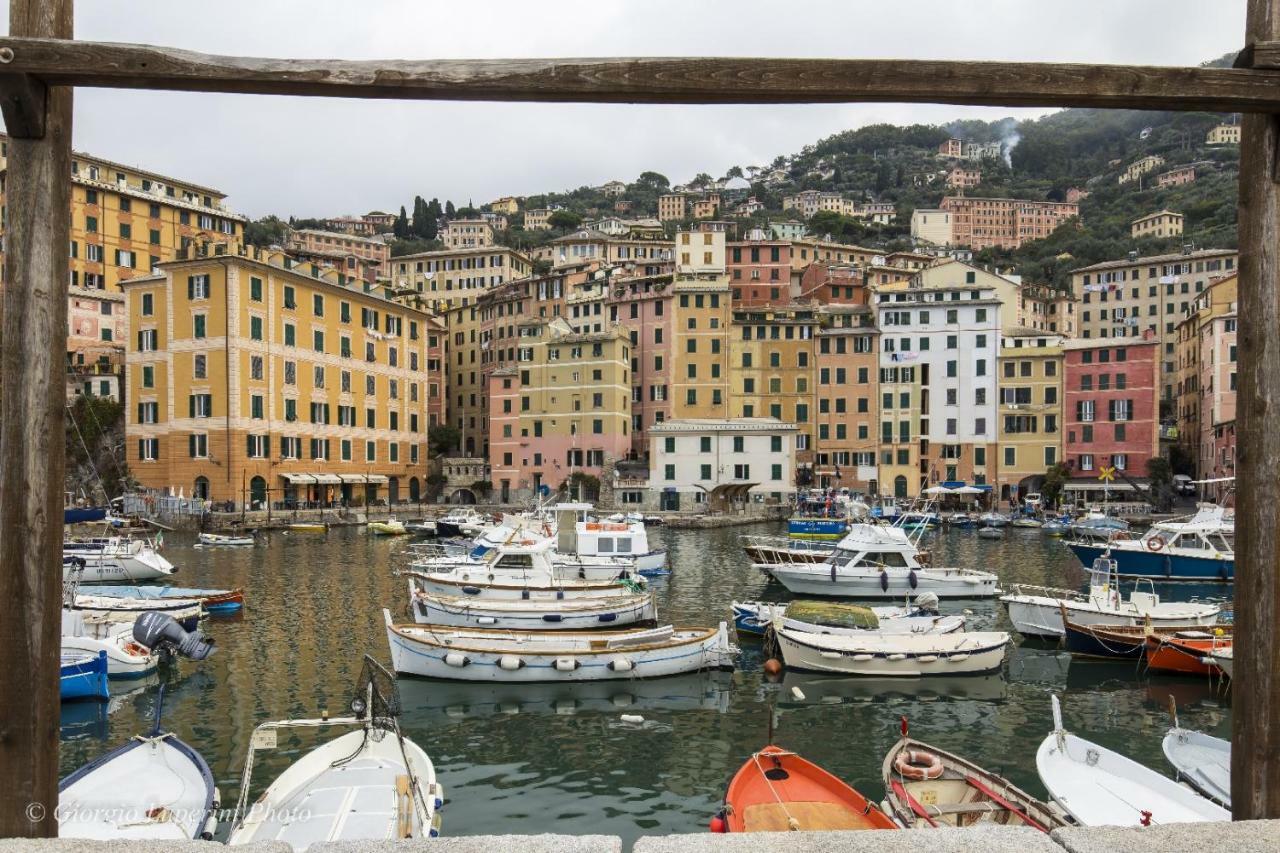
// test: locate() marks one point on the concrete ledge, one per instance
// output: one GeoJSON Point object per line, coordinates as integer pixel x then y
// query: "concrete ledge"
{"type": "Point", "coordinates": [481, 844]}
{"type": "Point", "coordinates": [983, 839]}
{"type": "Point", "coordinates": [82, 845]}
{"type": "Point", "coordinates": [1254, 836]}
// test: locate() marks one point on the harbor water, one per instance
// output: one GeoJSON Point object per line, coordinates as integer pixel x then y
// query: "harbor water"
{"type": "Point", "coordinates": [550, 758]}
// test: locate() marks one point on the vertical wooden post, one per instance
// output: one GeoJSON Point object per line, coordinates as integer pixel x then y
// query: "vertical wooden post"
{"type": "Point", "coordinates": [1255, 753]}
{"type": "Point", "coordinates": [33, 356]}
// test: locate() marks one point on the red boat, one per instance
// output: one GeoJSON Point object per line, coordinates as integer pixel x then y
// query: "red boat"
{"type": "Point", "coordinates": [1187, 652]}
{"type": "Point", "coordinates": [778, 791]}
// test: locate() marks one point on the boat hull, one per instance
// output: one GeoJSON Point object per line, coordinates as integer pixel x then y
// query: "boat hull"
{"type": "Point", "coordinates": [1187, 657]}
{"type": "Point", "coordinates": [1202, 761]}
{"type": "Point", "coordinates": [1136, 561]}
{"type": "Point", "coordinates": [753, 619]}
{"type": "Point", "coordinates": [584, 614]}
{"type": "Point", "coordinates": [514, 590]}
{"type": "Point", "coordinates": [778, 791]}
{"type": "Point", "coordinates": [1038, 616]}
{"type": "Point", "coordinates": [83, 676]}
{"type": "Point", "coordinates": [818, 579]}
{"type": "Point", "coordinates": [975, 653]}
{"type": "Point", "coordinates": [99, 568]}
{"type": "Point", "coordinates": [1092, 641]}
{"type": "Point", "coordinates": [414, 652]}
{"type": "Point", "coordinates": [125, 659]}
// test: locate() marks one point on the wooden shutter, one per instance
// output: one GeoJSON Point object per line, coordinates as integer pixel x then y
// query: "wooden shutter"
{"type": "Point", "coordinates": [191, 287]}
{"type": "Point", "coordinates": [191, 445]}
{"type": "Point", "coordinates": [191, 407]}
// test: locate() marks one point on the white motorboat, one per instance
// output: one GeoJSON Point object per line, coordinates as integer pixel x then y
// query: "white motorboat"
{"type": "Point", "coordinates": [371, 784]}
{"type": "Point", "coordinates": [581, 540]}
{"type": "Point", "coordinates": [578, 613]}
{"type": "Point", "coordinates": [993, 519]}
{"type": "Point", "coordinates": [421, 527]}
{"type": "Point", "coordinates": [825, 617]}
{"type": "Point", "coordinates": [155, 787]}
{"type": "Point", "coordinates": [461, 522]}
{"type": "Point", "coordinates": [1099, 787]}
{"type": "Point", "coordinates": [515, 569]}
{"type": "Point", "coordinates": [1037, 611]}
{"type": "Point", "coordinates": [114, 559]}
{"type": "Point", "coordinates": [1027, 521]}
{"type": "Point", "coordinates": [1202, 761]}
{"type": "Point", "coordinates": [879, 561]}
{"type": "Point", "coordinates": [126, 658]}
{"type": "Point", "coordinates": [1097, 524]}
{"type": "Point", "coordinates": [990, 532]}
{"type": "Point", "coordinates": [903, 655]}
{"type": "Point", "coordinates": [485, 655]}
{"type": "Point", "coordinates": [237, 540]}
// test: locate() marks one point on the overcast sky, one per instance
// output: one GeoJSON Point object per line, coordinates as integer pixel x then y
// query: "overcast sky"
{"type": "Point", "coordinates": [318, 157]}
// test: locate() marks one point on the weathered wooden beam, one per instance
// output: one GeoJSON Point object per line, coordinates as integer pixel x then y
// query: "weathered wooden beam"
{"type": "Point", "coordinates": [1255, 719]}
{"type": "Point", "coordinates": [22, 99]}
{"type": "Point", "coordinates": [1263, 54]}
{"type": "Point", "coordinates": [33, 356]}
{"type": "Point", "coordinates": [652, 80]}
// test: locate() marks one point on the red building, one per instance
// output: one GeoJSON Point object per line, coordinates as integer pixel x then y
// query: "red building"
{"type": "Point", "coordinates": [833, 284]}
{"type": "Point", "coordinates": [1111, 408]}
{"type": "Point", "coordinates": [759, 271]}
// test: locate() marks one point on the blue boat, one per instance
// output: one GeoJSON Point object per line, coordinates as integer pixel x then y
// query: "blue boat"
{"type": "Point", "coordinates": [84, 676]}
{"type": "Point", "coordinates": [1199, 549]}
{"type": "Point", "coordinates": [215, 601]}
{"type": "Point", "coordinates": [81, 514]}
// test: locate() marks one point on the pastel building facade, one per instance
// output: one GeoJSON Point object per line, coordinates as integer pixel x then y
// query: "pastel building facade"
{"type": "Point", "coordinates": [721, 461]}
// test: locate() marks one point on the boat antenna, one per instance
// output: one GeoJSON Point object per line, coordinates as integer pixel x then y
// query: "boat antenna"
{"type": "Point", "coordinates": [155, 730]}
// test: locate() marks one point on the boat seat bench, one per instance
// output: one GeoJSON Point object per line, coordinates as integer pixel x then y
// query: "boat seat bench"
{"type": "Point", "coordinates": [810, 816]}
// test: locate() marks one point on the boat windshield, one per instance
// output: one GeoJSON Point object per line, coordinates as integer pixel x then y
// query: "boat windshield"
{"type": "Point", "coordinates": [610, 545]}
{"type": "Point", "coordinates": [1225, 542]}
{"type": "Point", "coordinates": [514, 561]}
{"type": "Point", "coordinates": [888, 559]}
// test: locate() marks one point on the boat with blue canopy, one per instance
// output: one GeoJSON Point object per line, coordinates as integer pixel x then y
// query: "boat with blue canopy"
{"type": "Point", "coordinates": [1199, 548]}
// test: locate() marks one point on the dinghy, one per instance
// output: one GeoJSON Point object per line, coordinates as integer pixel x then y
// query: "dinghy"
{"type": "Point", "coordinates": [125, 608]}
{"type": "Point", "coordinates": [778, 791]}
{"type": "Point", "coordinates": [126, 658]}
{"type": "Point", "coordinates": [155, 787]}
{"type": "Point", "coordinates": [389, 527]}
{"type": "Point", "coordinates": [991, 533]}
{"type": "Point", "coordinates": [308, 527]}
{"type": "Point", "coordinates": [371, 784]}
{"type": "Point", "coordinates": [214, 601]}
{"type": "Point", "coordinates": [583, 613]}
{"type": "Point", "coordinates": [1123, 642]}
{"type": "Point", "coordinates": [926, 787]}
{"type": "Point", "coordinates": [83, 676]}
{"type": "Point", "coordinates": [489, 655]}
{"type": "Point", "coordinates": [1099, 787]}
{"type": "Point", "coordinates": [1202, 761]}
{"type": "Point", "coordinates": [226, 539]}
{"type": "Point", "coordinates": [1186, 652]}
{"type": "Point", "coordinates": [903, 655]}
{"type": "Point", "coordinates": [1037, 611]}
{"type": "Point", "coordinates": [877, 561]}
{"type": "Point", "coordinates": [753, 618]}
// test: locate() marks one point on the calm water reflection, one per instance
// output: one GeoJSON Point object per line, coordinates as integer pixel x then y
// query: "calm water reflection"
{"type": "Point", "coordinates": [550, 758]}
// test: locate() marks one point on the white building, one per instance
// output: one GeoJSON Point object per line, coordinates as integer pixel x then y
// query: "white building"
{"type": "Point", "coordinates": [705, 460]}
{"type": "Point", "coordinates": [938, 350]}
{"type": "Point", "coordinates": [931, 226]}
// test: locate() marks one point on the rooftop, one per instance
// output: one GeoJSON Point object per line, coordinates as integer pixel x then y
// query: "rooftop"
{"type": "Point", "coordinates": [723, 425]}
{"type": "Point", "coordinates": [1198, 254]}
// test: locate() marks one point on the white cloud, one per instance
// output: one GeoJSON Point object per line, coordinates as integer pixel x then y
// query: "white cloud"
{"type": "Point", "coordinates": [319, 157]}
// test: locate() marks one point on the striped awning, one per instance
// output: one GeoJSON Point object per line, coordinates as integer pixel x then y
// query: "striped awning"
{"type": "Point", "coordinates": [327, 479]}
{"type": "Point", "coordinates": [299, 478]}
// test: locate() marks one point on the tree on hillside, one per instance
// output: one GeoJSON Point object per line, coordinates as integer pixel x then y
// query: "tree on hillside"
{"type": "Point", "coordinates": [449, 210]}
{"type": "Point", "coordinates": [734, 172]}
{"type": "Point", "coordinates": [654, 181]}
{"type": "Point", "coordinates": [267, 231]}
{"type": "Point", "coordinates": [423, 224]}
{"type": "Point", "coordinates": [401, 228]}
{"type": "Point", "coordinates": [564, 220]}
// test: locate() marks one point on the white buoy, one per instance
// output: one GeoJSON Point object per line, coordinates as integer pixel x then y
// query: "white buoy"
{"type": "Point", "coordinates": [632, 718]}
{"type": "Point", "coordinates": [797, 693]}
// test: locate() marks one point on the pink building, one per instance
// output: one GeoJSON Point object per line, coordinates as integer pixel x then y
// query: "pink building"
{"type": "Point", "coordinates": [834, 284]}
{"type": "Point", "coordinates": [1110, 411]}
{"type": "Point", "coordinates": [644, 306]}
{"type": "Point", "coordinates": [759, 271]}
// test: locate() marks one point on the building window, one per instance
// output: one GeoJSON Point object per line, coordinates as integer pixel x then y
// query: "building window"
{"type": "Point", "coordinates": [371, 451]}
{"type": "Point", "coordinates": [198, 445]}
{"type": "Point", "coordinates": [198, 326]}
{"type": "Point", "coordinates": [290, 301]}
{"type": "Point", "coordinates": [147, 340]}
{"type": "Point", "coordinates": [255, 288]}
{"type": "Point", "coordinates": [148, 449]}
{"type": "Point", "coordinates": [148, 376]}
{"type": "Point", "coordinates": [197, 286]}
{"type": "Point", "coordinates": [255, 328]}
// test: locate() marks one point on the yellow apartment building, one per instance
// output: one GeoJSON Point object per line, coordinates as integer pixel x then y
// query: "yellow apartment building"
{"type": "Point", "coordinates": [1135, 170]}
{"type": "Point", "coordinates": [773, 353]}
{"type": "Point", "coordinates": [125, 220]}
{"type": "Point", "coordinates": [250, 378]}
{"type": "Point", "coordinates": [467, 234]}
{"type": "Point", "coordinates": [538, 219]}
{"type": "Point", "coordinates": [1162, 223]}
{"type": "Point", "coordinates": [508, 205]}
{"type": "Point", "coordinates": [672, 207]}
{"type": "Point", "coordinates": [564, 407]}
{"type": "Point", "coordinates": [1030, 369]}
{"type": "Point", "coordinates": [1223, 134]}
{"type": "Point", "coordinates": [453, 277]}
{"type": "Point", "coordinates": [700, 363]}
{"type": "Point", "coordinates": [1218, 300]}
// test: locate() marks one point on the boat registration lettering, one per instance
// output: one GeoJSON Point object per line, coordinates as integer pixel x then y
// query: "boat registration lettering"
{"type": "Point", "coordinates": [264, 739]}
{"type": "Point", "coordinates": [929, 797]}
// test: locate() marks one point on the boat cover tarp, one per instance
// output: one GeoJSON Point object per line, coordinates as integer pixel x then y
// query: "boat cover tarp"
{"type": "Point", "coordinates": [833, 614]}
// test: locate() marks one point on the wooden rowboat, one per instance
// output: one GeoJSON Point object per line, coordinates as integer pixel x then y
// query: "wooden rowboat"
{"type": "Point", "coordinates": [1189, 652]}
{"type": "Point", "coordinates": [927, 787]}
{"type": "Point", "coordinates": [778, 791]}
{"type": "Point", "coordinates": [1108, 642]}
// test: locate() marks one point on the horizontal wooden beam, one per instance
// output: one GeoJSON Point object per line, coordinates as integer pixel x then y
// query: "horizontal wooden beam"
{"type": "Point", "coordinates": [651, 80]}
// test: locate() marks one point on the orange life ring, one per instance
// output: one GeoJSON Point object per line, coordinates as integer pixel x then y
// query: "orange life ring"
{"type": "Point", "coordinates": [917, 764]}
{"type": "Point", "coordinates": [1155, 543]}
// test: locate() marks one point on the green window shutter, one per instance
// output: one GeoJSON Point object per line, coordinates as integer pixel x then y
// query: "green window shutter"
{"type": "Point", "coordinates": [191, 445]}
{"type": "Point", "coordinates": [266, 446]}
{"type": "Point", "coordinates": [248, 449]}
{"type": "Point", "coordinates": [142, 448]}
{"type": "Point", "coordinates": [139, 413]}
{"type": "Point", "coordinates": [191, 411]}
{"type": "Point", "coordinates": [191, 286]}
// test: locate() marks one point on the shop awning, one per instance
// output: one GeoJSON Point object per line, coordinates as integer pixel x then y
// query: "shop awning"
{"type": "Point", "coordinates": [298, 478]}
{"type": "Point", "coordinates": [327, 479]}
{"type": "Point", "coordinates": [377, 478]}
{"type": "Point", "coordinates": [352, 478]}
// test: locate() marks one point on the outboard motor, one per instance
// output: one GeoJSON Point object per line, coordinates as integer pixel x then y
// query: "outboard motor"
{"type": "Point", "coordinates": [927, 603]}
{"type": "Point", "coordinates": [160, 632]}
